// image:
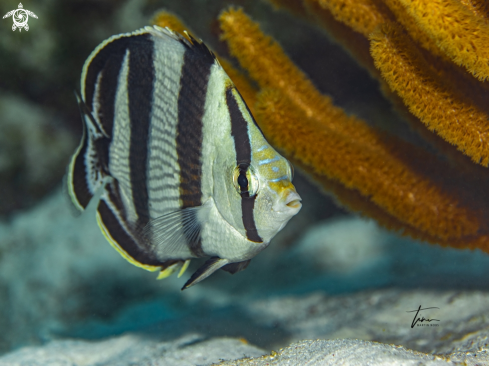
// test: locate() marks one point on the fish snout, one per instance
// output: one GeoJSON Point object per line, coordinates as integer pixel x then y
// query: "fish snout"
{"type": "Point", "coordinates": [288, 202]}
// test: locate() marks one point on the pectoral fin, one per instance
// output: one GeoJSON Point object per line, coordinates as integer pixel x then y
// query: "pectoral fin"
{"type": "Point", "coordinates": [174, 232]}
{"type": "Point", "coordinates": [208, 268]}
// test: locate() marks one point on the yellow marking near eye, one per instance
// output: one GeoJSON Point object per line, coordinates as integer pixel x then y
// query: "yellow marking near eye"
{"type": "Point", "coordinates": [284, 189]}
{"type": "Point", "coordinates": [282, 186]}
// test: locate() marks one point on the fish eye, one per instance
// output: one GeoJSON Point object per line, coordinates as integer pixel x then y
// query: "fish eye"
{"type": "Point", "coordinates": [245, 180]}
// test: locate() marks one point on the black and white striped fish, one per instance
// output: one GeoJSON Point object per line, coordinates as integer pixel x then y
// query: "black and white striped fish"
{"type": "Point", "coordinates": [183, 169]}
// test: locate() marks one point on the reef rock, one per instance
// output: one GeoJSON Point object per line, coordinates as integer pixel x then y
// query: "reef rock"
{"type": "Point", "coordinates": [133, 349]}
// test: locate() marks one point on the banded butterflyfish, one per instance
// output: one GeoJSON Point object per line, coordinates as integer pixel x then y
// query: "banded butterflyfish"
{"type": "Point", "coordinates": [181, 167]}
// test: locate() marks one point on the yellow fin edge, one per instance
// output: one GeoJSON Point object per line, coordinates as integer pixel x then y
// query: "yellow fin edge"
{"type": "Point", "coordinates": [69, 178]}
{"type": "Point", "coordinates": [168, 271]}
{"type": "Point", "coordinates": [121, 251]}
{"type": "Point", "coordinates": [184, 268]}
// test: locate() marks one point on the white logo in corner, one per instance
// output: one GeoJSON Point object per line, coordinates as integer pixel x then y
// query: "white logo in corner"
{"type": "Point", "coordinates": [20, 17]}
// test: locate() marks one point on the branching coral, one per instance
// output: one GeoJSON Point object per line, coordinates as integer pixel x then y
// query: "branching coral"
{"type": "Point", "coordinates": [458, 120]}
{"type": "Point", "coordinates": [430, 39]}
{"type": "Point", "coordinates": [362, 16]}
{"type": "Point", "coordinates": [457, 29]}
{"type": "Point", "coordinates": [402, 186]}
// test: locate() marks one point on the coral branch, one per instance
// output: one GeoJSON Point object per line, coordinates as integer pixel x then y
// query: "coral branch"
{"type": "Point", "coordinates": [305, 124]}
{"type": "Point", "coordinates": [353, 201]}
{"type": "Point", "coordinates": [379, 175]}
{"type": "Point", "coordinates": [480, 8]}
{"type": "Point", "coordinates": [456, 30]}
{"type": "Point", "coordinates": [363, 16]}
{"type": "Point", "coordinates": [457, 120]}
{"type": "Point", "coordinates": [248, 44]}
{"type": "Point", "coordinates": [353, 42]}
{"type": "Point", "coordinates": [409, 23]}
{"type": "Point", "coordinates": [402, 186]}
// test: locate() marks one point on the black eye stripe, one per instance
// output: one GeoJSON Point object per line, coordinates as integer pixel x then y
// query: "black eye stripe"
{"type": "Point", "coordinates": [239, 131]}
{"type": "Point", "coordinates": [243, 180]}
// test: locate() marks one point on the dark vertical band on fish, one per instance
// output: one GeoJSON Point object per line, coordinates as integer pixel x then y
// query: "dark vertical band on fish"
{"type": "Point", "coordinates": [106, 64]}
{"type": "Point", "coordinates": [140, 85]}
{"type": "Point", "coordinates": [239, 131]}
{"type": "Point", "coordinates": [118, 232]}
{"type": "Point", "coordinates": [191, 104]}
{"type": "Point", "coordinates": [249, 112]}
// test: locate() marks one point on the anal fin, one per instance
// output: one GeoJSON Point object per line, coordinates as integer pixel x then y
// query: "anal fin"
{"type": "Point", "coordinates": [208, 268]}
{"type": "Point", "coordinates": [184, 268]}
{"type": "Point", "coordinates": [168, 271]}
{"type": "Point", "coordinates": [172, 268]}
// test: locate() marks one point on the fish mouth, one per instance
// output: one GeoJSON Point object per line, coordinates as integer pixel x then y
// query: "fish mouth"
{"type": "Point", "coordinates": [287, 203]}
{"type": "Point", "coordinates": [293, 200]}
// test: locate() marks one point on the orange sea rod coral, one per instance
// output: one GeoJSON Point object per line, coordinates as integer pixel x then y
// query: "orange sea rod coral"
{"type": "Point", "coordinates": [456, 29]}
{"type": "Point", "coordinates": [403, 186]}
{"type": "Point", "coordinates": [361, 15]}
{"type": "Point", "coordinates": [409, 23]}
{"type": "Point", "coordinates": [478, 7]}
{"type": "Point", "coordinates": [441, 96]}
{"type": "Point", "coordinates": [353, 42]}
{"type": "Point", "coordinates": [456, 119]}
{"type": "Point", "coordinates": [460, 32]}
{"type": "Point", "coordinates": [305, 124]}
{"type": "Point", "coordinates": [387, 181]}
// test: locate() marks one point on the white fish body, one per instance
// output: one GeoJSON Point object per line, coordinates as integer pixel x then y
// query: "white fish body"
{"type": "Point", "coordinates": [185, 170]}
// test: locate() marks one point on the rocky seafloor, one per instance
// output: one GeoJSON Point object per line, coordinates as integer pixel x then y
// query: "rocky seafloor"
{"type": "Point", "coordinates": [332, 288]}
{"type": "Point", "coordinates": [340, 293]}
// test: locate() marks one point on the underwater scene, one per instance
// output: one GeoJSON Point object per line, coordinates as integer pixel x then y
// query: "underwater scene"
{"type": "Point", "coordinates": [267, 182]}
